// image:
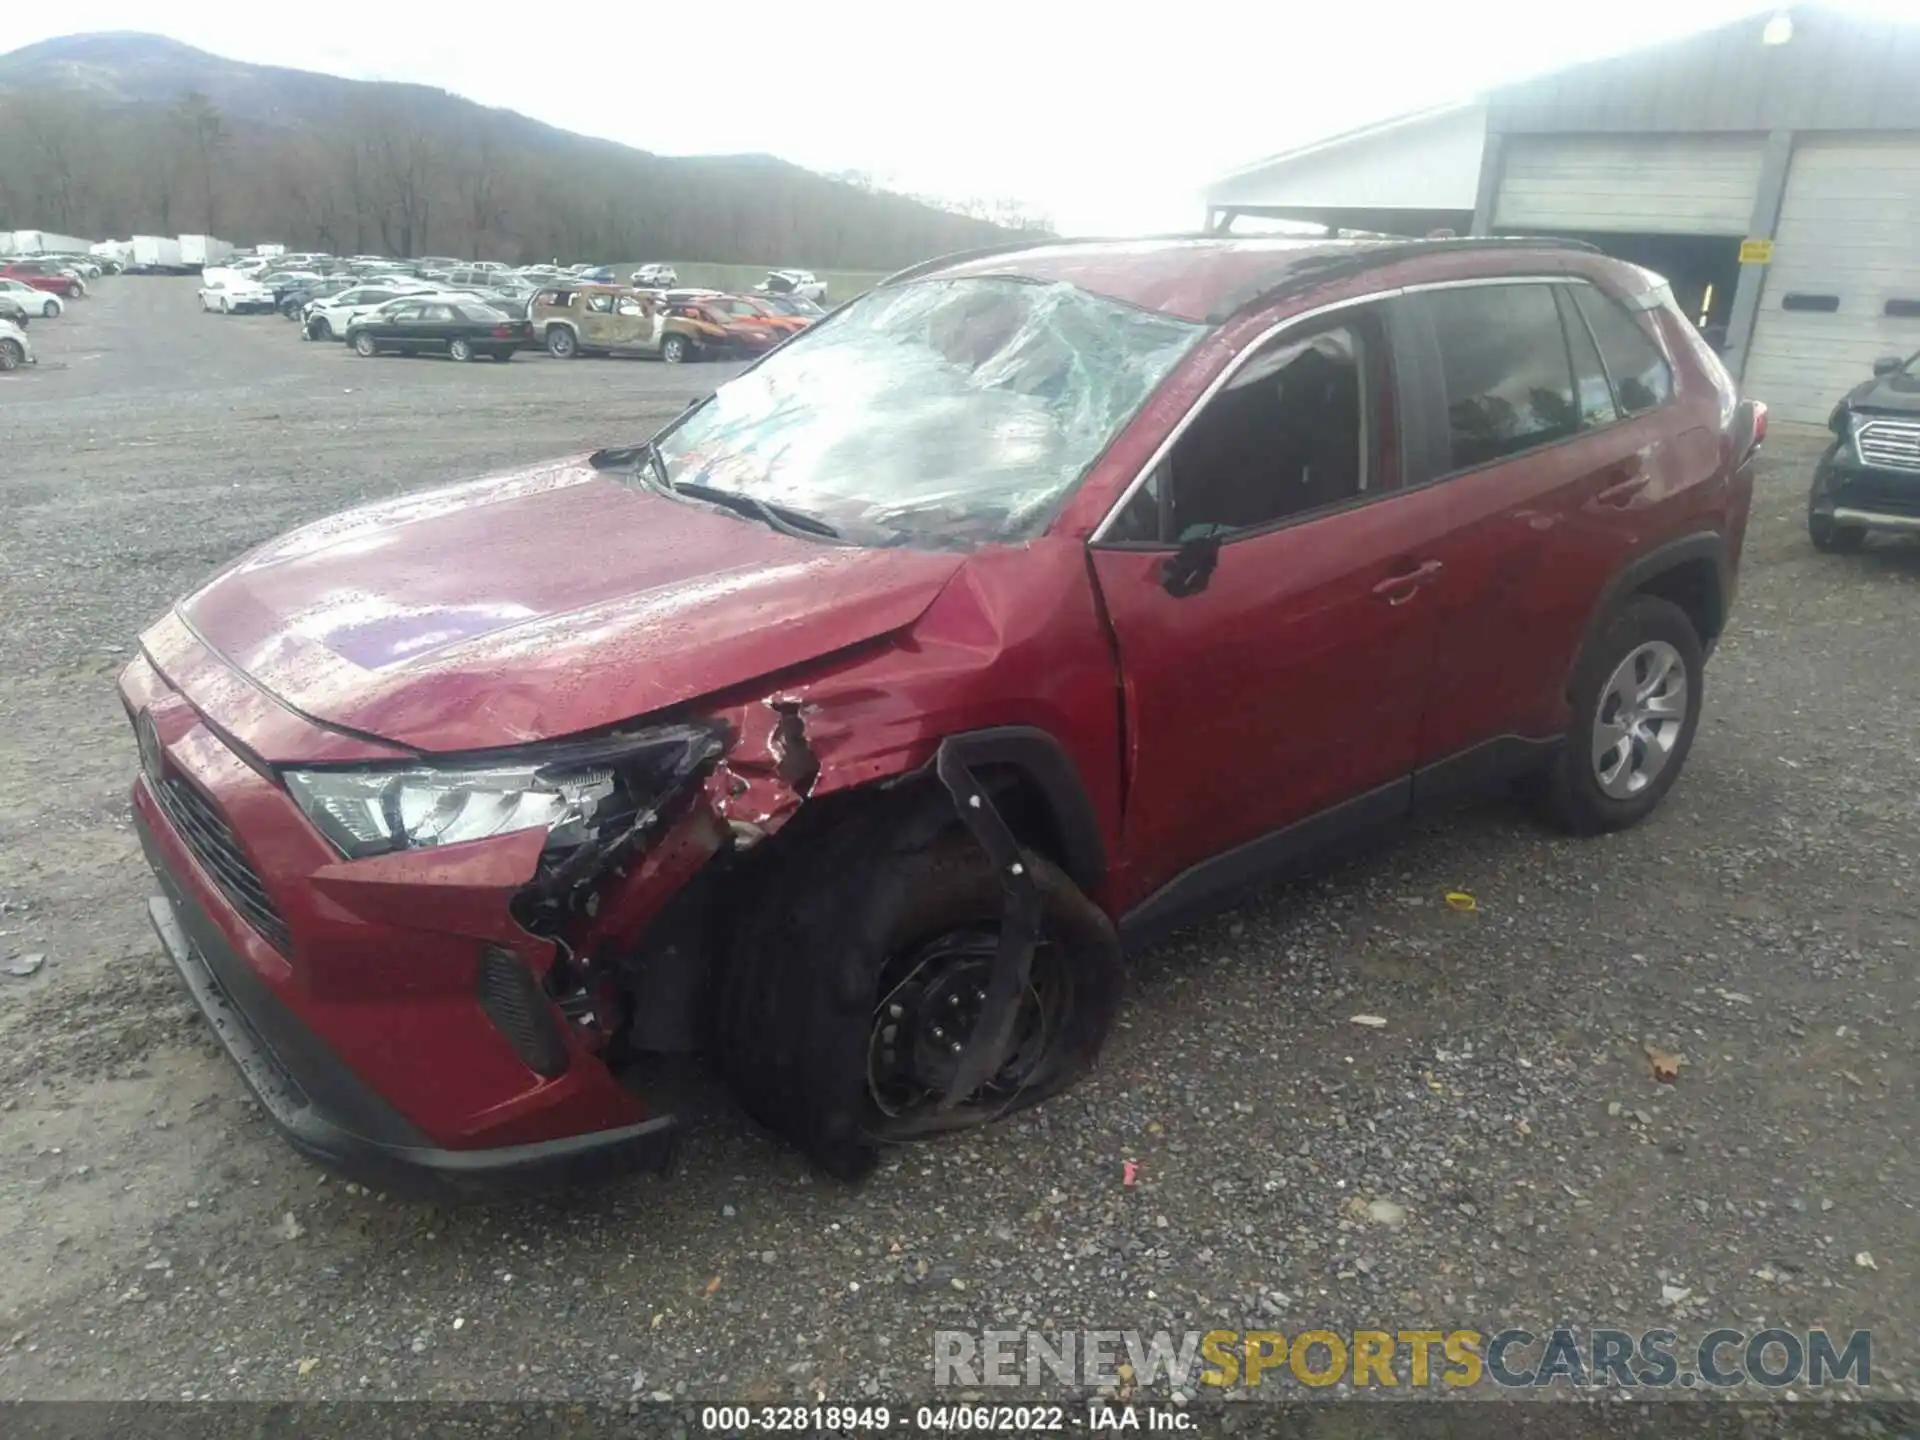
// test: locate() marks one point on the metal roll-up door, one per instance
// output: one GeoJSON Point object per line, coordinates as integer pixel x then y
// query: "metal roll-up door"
{"type": "Point", "coordinates": [1846, 251]}
{"type": "Point", "coordinates": [1629, 184]}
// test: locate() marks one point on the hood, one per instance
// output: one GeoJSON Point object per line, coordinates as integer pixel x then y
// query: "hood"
{"type": "Point", "coordinates": [1896, 394]}
{"type": "Point", "coordinates": [538, 604]}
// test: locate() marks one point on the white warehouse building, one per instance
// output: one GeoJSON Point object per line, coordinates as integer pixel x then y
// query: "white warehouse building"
{"type": "Point", "coordinates": [1770, 169]}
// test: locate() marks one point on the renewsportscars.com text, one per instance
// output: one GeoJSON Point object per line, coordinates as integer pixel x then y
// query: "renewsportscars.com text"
{"type": "Point", "coordinates": [1415, 1359]}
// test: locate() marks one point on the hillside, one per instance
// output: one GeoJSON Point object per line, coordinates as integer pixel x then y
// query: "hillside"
{"type": "Point", "coordinates": [115, 134]}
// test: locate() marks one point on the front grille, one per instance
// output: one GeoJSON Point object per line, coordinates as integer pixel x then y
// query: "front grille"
{"type": "Point", "coordinates": [220, 855]}
{"type": "Point", "coordinates": [1890, 444]}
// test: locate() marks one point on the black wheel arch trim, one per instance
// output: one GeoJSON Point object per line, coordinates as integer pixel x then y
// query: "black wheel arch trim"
{"type": "Point", "coordinates": [1632, 577]}
{"type": "Point", "coordinates": [1041, 760]}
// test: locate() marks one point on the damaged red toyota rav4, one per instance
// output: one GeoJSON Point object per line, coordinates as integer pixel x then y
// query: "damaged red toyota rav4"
{"type": "Point", "coordinates": [855, 725]}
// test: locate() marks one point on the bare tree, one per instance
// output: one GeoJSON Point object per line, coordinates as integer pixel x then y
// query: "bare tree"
{"type": "Point", "coordinates": [205, 139]}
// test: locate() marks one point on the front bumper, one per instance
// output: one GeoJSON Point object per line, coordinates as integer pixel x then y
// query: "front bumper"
{"type": "Point", "coordinates": [327, 1113]}
{"type": "Point", "coordinates": [1871, 497]}
{"type": "Point", "coordinates": [352, 995]}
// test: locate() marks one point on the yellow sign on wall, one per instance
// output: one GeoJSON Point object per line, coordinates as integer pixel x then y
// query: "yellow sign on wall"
{"type": "Point", "coordinates": [1756, 252]}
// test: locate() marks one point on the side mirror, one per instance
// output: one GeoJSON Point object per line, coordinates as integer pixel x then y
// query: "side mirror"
{"type": "Point", "coordinates": [1188, 569]}
{"type": "Point", "coordinates": [1889, 365]}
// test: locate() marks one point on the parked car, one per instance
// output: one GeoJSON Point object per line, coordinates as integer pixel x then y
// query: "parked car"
{"type": "Point", "coordinates": [791, 306]}
{"type": "Point", "coordinates": [1869, 479]}
{"type": "Point", "coordinates": [439, 325]}
{"type": "Point", "coordinates": [232, 294]}
{"type": "Point", "coordinates": [655, 277]}
{"type": "Point", "coordinates": [802, 725]}
{"type": "Point", "coordinates": [38, 298]}
{"type": "Point", "coordinates": [15, 349]}
{"type": "Point", "coordinates": [12, 311]}
{"type": "Point", "coordinates": [328, 319]}
{"type": "Point", "coordinates": [717, 327]}
{"type": "Point", "coordinates": [39, 276]}
{"type": "Point", "coordinates": [296, 301]}
{"type": "Point", "coordinates": [793, 282]}
{"type": "Point", "coordinates": [755, 308]}
{"type": "Point", "coordinates": [577, 319]}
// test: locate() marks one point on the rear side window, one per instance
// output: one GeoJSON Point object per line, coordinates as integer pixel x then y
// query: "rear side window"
{"type": "Point", "coordinates": [1641, 378]}
{"type": "Point", "coordinates": [1591, 391]}
{"type": "Point", "coordinates": [1504, 363]}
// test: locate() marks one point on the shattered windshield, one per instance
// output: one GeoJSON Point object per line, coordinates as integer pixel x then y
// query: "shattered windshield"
{"type": "Point", "coordinates": [941, 412]}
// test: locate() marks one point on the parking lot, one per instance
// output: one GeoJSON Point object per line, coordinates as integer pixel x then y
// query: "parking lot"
{"type": "Point", "coordinates": [157, 1239]}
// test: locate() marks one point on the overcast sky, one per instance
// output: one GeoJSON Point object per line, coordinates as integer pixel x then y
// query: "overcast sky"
{"type": "Point", "coordinates": [1108, 118]}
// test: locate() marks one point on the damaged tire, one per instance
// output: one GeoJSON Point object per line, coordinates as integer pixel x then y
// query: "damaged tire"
{"type": "Point", "coordinates": [851, 990]}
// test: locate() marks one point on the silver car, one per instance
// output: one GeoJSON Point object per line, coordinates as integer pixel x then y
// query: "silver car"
{"type": "Point", "coordinates": [15, 349]}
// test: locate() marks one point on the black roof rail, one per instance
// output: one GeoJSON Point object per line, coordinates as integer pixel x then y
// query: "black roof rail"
{"type": "Point", "coordinates": [961, 257]}
{"type": "Point", "coordinates": [1324, 265]}
{"type": "Point", "coordinates": [1033, 242]}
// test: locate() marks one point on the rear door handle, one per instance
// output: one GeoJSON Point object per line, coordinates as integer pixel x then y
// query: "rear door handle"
{"type": "Point", "coordinates": [1622, 494]}
{"type": "Point", "coordinates": [1399, 588]}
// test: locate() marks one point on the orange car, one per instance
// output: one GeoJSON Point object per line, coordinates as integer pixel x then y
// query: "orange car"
{"type": "Point", "coordinates": [725, 324]}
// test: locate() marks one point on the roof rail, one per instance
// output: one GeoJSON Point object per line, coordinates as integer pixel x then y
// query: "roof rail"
{"type": "Point", "coordinates": [960, 257]}
{"type": "Point", "coordinates": [1035, 242]}
{"type": "Point", "coordinates": [1327, 265]}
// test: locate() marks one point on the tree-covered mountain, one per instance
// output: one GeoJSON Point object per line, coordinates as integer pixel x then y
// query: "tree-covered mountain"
{"type": "Point", "coordinates": [118, 134]}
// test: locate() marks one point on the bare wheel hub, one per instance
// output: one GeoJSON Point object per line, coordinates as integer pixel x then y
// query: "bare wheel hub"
{"type": "Point", "coordinates": [1643, 708]}
{"type": "Point", "coordinates": [924, 1021]}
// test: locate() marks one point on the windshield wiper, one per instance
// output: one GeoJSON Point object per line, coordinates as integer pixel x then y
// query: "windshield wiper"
{"type": "Point", "coordinates": [781, 517]}
{"type": "Point", "coordinates": [652, 471]}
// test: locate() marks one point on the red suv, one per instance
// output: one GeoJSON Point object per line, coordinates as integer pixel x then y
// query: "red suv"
{"type": "Point", "coordinates": [857, 723]}
{"type": "Point", "coordinates": [42, 276]}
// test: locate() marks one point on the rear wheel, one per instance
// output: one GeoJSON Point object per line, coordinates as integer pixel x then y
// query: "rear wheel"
{"type": "Point", "coordinates": [11, 355]}
{"type": "Point", "coordinates": [562, 344]}
{"type": "Point", "coordinates": [460, 348]}
{"type": "Point", "coordinates": [1636, 704]}
{"type": "Point", "coordinates": [674, 349]}
{"type": "Point", "coordinates": [853, 987]}
{"type": "Point", "coordinates": [363, 345]}
{"type": "Point", "coordinates": [50, 309]}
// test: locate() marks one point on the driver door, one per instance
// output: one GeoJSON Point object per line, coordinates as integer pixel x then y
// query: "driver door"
{"type": "Point", "coordinates": [1268, 590]}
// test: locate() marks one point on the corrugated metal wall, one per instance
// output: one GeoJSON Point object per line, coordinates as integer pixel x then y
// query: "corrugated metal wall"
{"type": "Point", "coordinates": [1839, 72]}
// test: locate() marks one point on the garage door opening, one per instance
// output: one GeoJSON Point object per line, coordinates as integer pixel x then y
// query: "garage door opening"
{"type": "Point", "coordinates": [1702, 269]}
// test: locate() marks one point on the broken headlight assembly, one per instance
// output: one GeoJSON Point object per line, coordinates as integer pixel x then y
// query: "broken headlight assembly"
{"type": "Point", "coordinates": [578, 792]}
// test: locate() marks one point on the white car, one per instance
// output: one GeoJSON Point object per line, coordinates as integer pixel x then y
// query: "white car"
{"type": "Point", "coordinates": [15, 349]}
{"type": "Point", "coordinates": [235, 294]}
{"type": "Point", "coordinates": [655, 277]}
{"type": "Point", "coordinates": [793, 282]}
{"type": "Point", "coordinates": [328, 319]}
{"type": "Point", "coordinates": [47, 303]}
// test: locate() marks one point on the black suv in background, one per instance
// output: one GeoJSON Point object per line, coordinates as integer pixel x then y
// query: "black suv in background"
{"type": "Point", "coordinates": [1869, 479]}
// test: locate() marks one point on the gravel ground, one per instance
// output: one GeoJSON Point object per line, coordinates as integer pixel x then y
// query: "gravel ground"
{"type": "Point", "coordinates": [158, 1240]}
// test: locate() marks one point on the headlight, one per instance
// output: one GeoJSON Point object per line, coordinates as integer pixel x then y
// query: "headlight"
{"type": "Point", "coordinates": [574, 792]}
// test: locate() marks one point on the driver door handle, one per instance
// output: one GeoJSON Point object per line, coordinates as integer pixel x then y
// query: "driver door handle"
{"type": "Point", "coordinates": [1402, 586]}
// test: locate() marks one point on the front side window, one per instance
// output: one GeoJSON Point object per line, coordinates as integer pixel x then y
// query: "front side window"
{"type": "Point", "coordinates": [1641, 377]}
{"type": "Point", "coordinates": [1504, 364]}
{"type": "Point", "coordinates": [939, 412]}
{"type": "Point", "coordinates": [1293, 432]}
{"type": "Point", "coordinates": [600, 304]}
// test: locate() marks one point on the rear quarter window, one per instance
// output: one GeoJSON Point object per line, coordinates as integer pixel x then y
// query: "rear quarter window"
{"type": "Point", "coordinates": [1642, 379]}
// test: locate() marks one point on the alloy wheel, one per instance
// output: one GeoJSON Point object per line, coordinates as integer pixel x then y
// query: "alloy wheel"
{"type": "Point", "coordinates": [1643, 709]}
